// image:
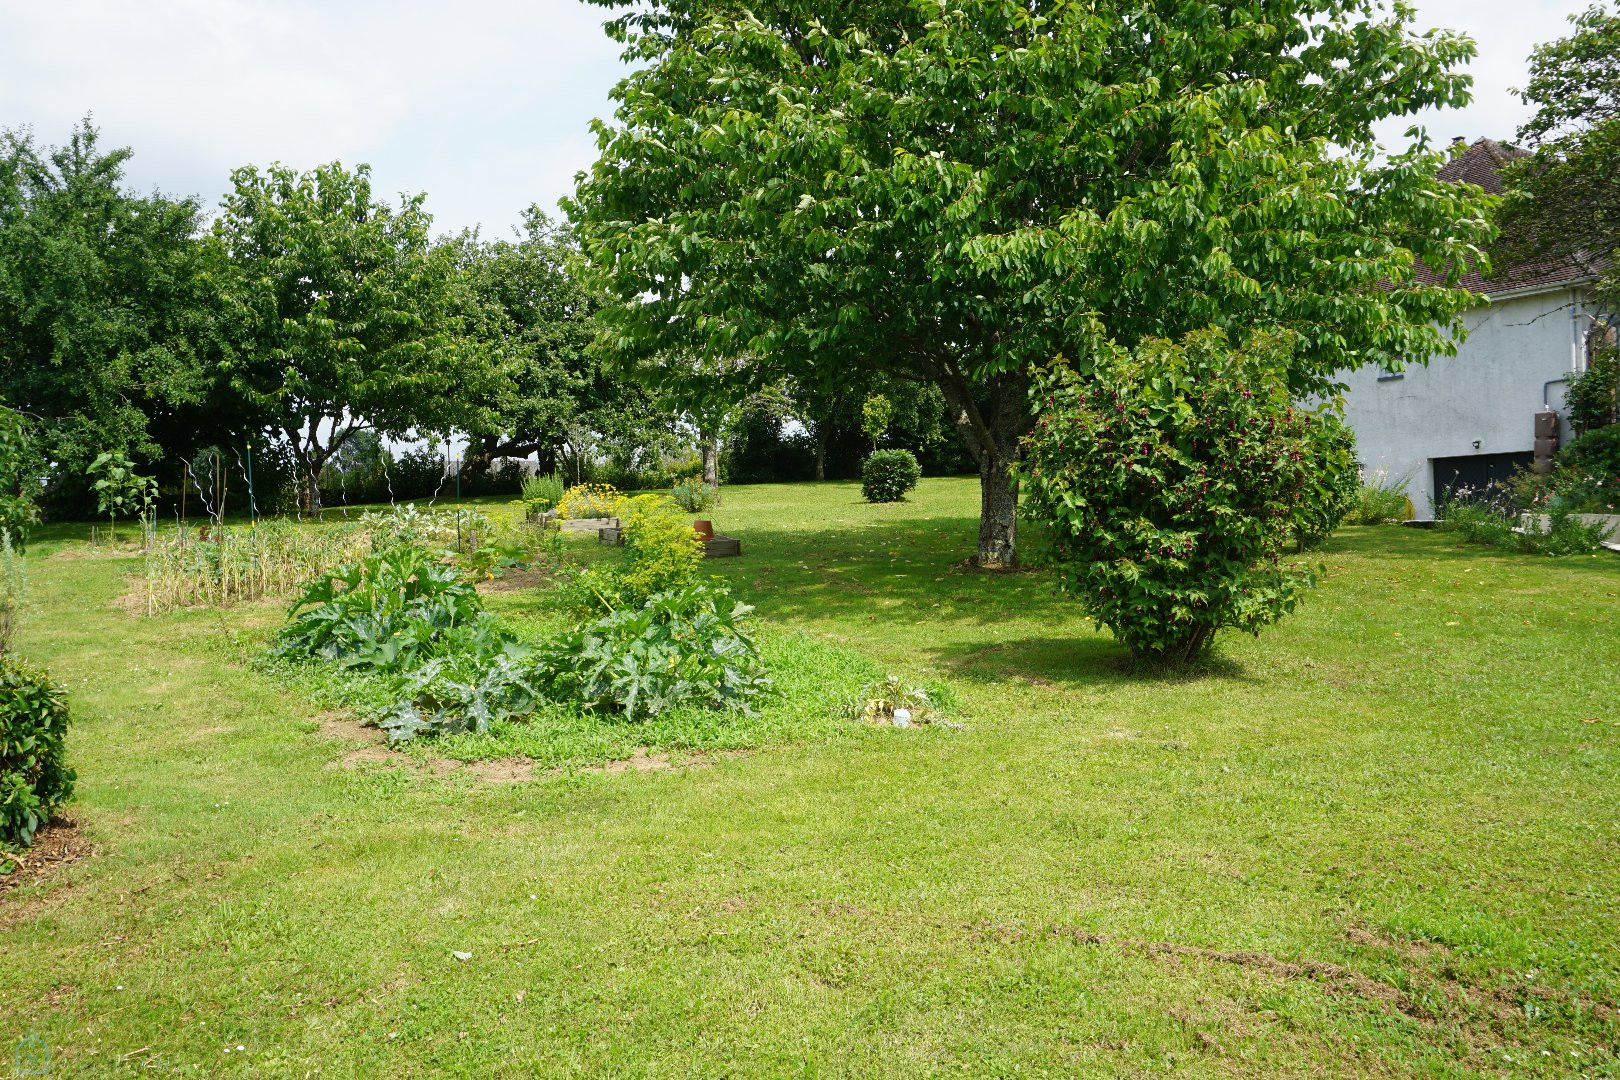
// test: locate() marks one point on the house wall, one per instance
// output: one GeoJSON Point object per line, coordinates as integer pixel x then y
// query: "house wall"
{"type": "Point", "coordinates": [1481, 401]}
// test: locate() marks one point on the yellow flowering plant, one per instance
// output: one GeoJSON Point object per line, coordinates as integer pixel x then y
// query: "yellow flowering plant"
{"type": "Point", "coordinates": [590, 501]}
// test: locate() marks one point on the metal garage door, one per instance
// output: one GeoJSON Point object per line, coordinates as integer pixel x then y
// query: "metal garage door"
{"type": "Point", "coordinates": [1476, 472]}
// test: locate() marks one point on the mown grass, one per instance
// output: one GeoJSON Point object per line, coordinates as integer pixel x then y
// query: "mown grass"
{"type": "Point", "coordinates": [1379, 840]}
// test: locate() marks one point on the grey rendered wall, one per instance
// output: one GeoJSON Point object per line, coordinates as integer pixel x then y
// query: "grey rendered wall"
{"type": "Point", "coordinates": [1481, 401]}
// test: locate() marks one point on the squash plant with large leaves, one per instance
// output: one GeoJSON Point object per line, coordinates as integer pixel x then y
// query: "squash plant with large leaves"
{"type": "Point", "coordinates": [957, 193]}
{"type": "Point", "coordinates": [684, 646]}
{"type": "Point", "coordinates": [390, 612]}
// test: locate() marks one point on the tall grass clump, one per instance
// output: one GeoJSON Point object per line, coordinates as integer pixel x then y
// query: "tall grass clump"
{"type": "Point", "coordinates": [541, 492]}
{"type": "Point", "coordinates": [1382, 500]}
{"type": "Point", "coordinates": [693, 495]}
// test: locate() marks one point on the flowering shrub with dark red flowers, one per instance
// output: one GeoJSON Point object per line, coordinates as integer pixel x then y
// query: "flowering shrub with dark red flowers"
{"type": "Point", "coordinates": [1174, 478]}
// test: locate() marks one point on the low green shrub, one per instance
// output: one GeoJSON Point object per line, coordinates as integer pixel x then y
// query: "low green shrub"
{"type": "Point", "coordinates": [18, 514]}
{"type": "Point", "coordinates": [682, 647]}
{"type": "Point", "coordinates": [662, 552]}
{"type": "Point", "coordinates": [1596, 453]}
{"type": "Point", "coordinates": [1476, 520]}
{"type": "Point", "coordinates": [542, 493]}
{"type": "Point", "coordinates": [693, 495]}
{"type": "Point", "coordinates": [13, 590]}
{"type": "Point", "coordinates": [1593, 396]}
{"type": "Point", "coordinates": [34, 776]}
{"type": "Point", "coordinates": [1569, 487]}
{"type": "Point", "coordinates": [1333, 490]}
{"type": "Point", "coordinates": [1492, 517]}
{"type": "Point", "coordinates": [888, 475]}
{"type": "Point", "coordinates": [1565, 535]}
{"type": "Point", "coordinates": [1171, 480]}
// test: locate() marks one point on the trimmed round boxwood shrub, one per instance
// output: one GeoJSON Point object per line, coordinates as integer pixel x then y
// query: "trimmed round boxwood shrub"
{"type": "Point", "coordinates": [889, 474]}
{"type": "Point", "coordinates": [1173, 479]}
{"type": "Point", "coordinates": [34, 777]}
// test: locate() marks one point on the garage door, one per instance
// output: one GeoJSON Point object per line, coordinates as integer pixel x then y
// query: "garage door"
{"type": "Point", "coordinates": [1476, 472]}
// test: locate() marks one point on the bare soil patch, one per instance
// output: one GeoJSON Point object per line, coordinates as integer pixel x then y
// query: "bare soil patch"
{"type": "Point", "coordinates": [1418, 949]}
{"type": "Point", "coordinates": [512, 770]}
{"type": "Point", "coordinates": [58, 844]}
{"type": "Point", "coordinates": [517, 580]}
{"type": "Point", "coordinates": [80, 552]}
{"type": "Point", "coordinates": [373, 750]}
{"type": "Point", "coordinates": [641, 760]}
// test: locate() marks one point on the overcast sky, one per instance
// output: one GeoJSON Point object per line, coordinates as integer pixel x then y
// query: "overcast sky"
{"type": "Point", "coordinates": [483, 104]}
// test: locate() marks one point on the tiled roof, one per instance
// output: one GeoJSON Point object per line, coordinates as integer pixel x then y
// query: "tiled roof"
{"type": "Point", "coordinates": [1482, 164]}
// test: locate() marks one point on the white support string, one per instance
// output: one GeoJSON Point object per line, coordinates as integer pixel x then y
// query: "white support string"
{"type": "Point", "coordinates": [445, 476]}
{"type": "Point", "coordinates": [253, 500]}
{"type": "Point", "coordinates": [343, 488]}
{"type": "Point", "coordinates": [208, 504]}
{"type": "Point", "coordinates": [388, 477]}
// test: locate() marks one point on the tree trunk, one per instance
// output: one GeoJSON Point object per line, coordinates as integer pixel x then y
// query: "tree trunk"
{"type": "Point", "coordinates": [711, 459]}
{"type": "Point", "coordinates": [998, 512]}
{"type": "Point", "coordinates": [310, 458]}
{"type": "Point", "coordinates": [821, 451]}
{"type": "Point", "coordinates": [992, 435]}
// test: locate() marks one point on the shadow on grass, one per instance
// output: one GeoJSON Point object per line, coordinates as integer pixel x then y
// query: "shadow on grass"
{"type": "Point", "coordinates": [898, 570]}
{"type": "Point", "coordinates": [1088, 659]}
{"type": "Point", "coordinates": [1393, 543]}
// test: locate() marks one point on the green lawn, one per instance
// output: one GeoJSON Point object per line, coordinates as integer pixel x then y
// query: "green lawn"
{"type": "Point", "coordinates": [1379, 840]}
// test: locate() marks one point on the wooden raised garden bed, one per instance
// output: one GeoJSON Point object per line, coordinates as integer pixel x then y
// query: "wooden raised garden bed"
{"type": "Point", "coordinates": [585, 525]}
{"type": "Point", "coordinates": [721, 547]}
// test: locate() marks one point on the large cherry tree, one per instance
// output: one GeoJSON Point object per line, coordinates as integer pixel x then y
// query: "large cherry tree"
{"type": "Point", "coordinates": [957, 192]}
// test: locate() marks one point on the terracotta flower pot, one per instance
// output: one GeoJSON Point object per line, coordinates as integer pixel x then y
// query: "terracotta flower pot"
{"type": "Point", "coordinates": [704, 528]}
